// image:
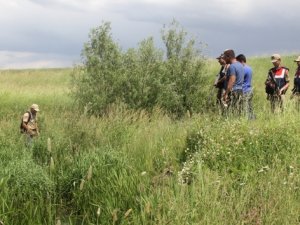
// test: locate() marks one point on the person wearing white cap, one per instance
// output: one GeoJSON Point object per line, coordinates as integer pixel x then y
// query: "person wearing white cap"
{"type": "Point", "coordinates": [296, 88]}
{"type": "Point", "coordinates": [277, 83]}
{"type": "Point", "coordinates": [29, 124]}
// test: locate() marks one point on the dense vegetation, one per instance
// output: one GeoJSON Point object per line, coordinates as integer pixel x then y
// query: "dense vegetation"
{"type": "Point", "coordinates": [133, 167]}
{"type": "Point", "coordinates": [143, 142]}
{"type": "Point", "coordinates": [142, 78]}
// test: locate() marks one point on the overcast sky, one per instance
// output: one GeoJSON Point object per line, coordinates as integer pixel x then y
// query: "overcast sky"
{"type": "Point", "coordinates": [51, 33]}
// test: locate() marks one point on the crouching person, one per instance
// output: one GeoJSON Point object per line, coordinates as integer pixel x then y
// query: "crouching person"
{"type": "Point", "coordinates": [29, 126]}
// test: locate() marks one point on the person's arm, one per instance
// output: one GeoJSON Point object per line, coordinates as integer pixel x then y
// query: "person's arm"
{"type": "Point", "coordinates": [24, 126]}
{"type": "Point", "coordinates": [286, 86]}
{"type": "Point", "coordinates": [25, 121]}
{"type": "Point", "coordinates": [230, 83]}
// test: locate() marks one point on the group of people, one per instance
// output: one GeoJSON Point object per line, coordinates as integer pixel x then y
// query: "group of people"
{"type": "Point", "coordinates": [235, 92]}
{"type": "Point", "coordinates": [234, 83]}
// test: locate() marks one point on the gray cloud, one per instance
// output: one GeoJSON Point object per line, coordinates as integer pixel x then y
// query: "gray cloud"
{"type": "Point", "coordinates": [58, 28]}
{"type": "Point", "coordinates": [19, 60]}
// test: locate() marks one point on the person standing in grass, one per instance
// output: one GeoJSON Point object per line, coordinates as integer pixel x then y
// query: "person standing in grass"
{"type": "Point", "coordinates": [277, 83]}
{"type": "Point", "coordinates": [29, 125]}
{"type": "Point", "coordinates": [247, 87]}
{"type": "Point", "coordinates": [220, 82]}
{"type": "Point", "coordinates": [235, 79]}
{"type": "Point", "coordinates": [296, 88]}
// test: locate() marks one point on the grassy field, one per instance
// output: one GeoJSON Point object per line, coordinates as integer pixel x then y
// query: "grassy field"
{"type": "Point", "coordinates": [135, 168]}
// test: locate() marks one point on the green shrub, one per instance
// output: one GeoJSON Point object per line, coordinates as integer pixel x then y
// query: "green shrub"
{"type": "Point", "coordinates": [97, 83]}
{"type": "Point", "coordinates": [27, 194]}
{"type": "Point", "coordinates": [142, 78]}
{"type": "Point", "coordinates": [236, 149]}
{"type": "Point", "coordinates": [184, 76]}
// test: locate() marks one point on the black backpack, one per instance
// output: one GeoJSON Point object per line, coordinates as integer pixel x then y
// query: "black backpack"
{"type": "Point", "coordinates": [22, 129]}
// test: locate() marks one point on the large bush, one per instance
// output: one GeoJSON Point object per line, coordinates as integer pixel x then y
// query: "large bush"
{"type": "Point", "coordinates": [141, 78]}
{"type": "Point", "coordinates": [97, 82]}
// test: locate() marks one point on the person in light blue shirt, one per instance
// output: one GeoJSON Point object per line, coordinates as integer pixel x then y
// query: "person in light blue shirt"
{"type": "Point", "coordinates": [235, 79]}
{"type": "Point", "coordinates": [236, 69]}
{"type": "Point", "coordinates": [247, 87]}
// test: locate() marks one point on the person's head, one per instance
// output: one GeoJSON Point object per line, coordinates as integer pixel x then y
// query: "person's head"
{"type": "Point", "coordinates": [241, 58]}
{"type": "Point", "coordinates": [34, 108]}
{"type": "Point", "coordinates": [297, 61]}
{"type": "Point", "coordinates": [276, 60]}
{"type": "Point", "coordinates": [221, 59]}
{"type": "Point", "coordinates": [229, 55]}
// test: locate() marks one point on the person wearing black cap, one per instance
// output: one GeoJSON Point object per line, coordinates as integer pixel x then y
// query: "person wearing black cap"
{"type": "Point", "coordinates": [220, 82]}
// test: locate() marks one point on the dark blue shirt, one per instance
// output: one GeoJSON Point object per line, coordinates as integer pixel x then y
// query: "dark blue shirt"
{"type": "Point", "coordinates": [247, 86]}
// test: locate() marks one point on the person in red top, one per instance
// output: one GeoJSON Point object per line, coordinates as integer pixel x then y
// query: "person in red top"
{"type": "Point", "coordinates": [296, 88]}
{"type": "Point", "coordinates": [277, 83]}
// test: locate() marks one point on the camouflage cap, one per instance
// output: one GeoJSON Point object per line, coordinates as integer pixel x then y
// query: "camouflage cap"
{"type": "Point", "coordinates": [35, 107]}
{"type": "Point", "coordinates": [275, 58]}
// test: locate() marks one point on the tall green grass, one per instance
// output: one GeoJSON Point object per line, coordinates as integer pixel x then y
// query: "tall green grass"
{"type": "Point", "coordinates": [135, 168]}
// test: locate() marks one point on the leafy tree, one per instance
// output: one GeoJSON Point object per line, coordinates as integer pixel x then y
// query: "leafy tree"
{"type": "Point", "coordinates": [96, 82]}
{"type": "Point", "coordinates": [143, 69]}
{"type": "Point", "coordinates": [141, 78]}
{"type": "Point", "coordinates": [184, 74]}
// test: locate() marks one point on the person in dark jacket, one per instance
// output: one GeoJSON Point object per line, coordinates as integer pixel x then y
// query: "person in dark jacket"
{"type": "Point", "coordinates": [220, 82]}
{"type": "Point", "coordinates": [277, 83]}
{"type": "Point", "coordinates": [296, 88]}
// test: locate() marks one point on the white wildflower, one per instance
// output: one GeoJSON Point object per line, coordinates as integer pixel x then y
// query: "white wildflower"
{"type": "Point", "coordinates": [266, 168]}
{"type": "Point", "coordinates": [261, 170]}
{"type": "Point", "coordinates": [98, 211]}
{"type": "Point", "coordinates": [143, 173]}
